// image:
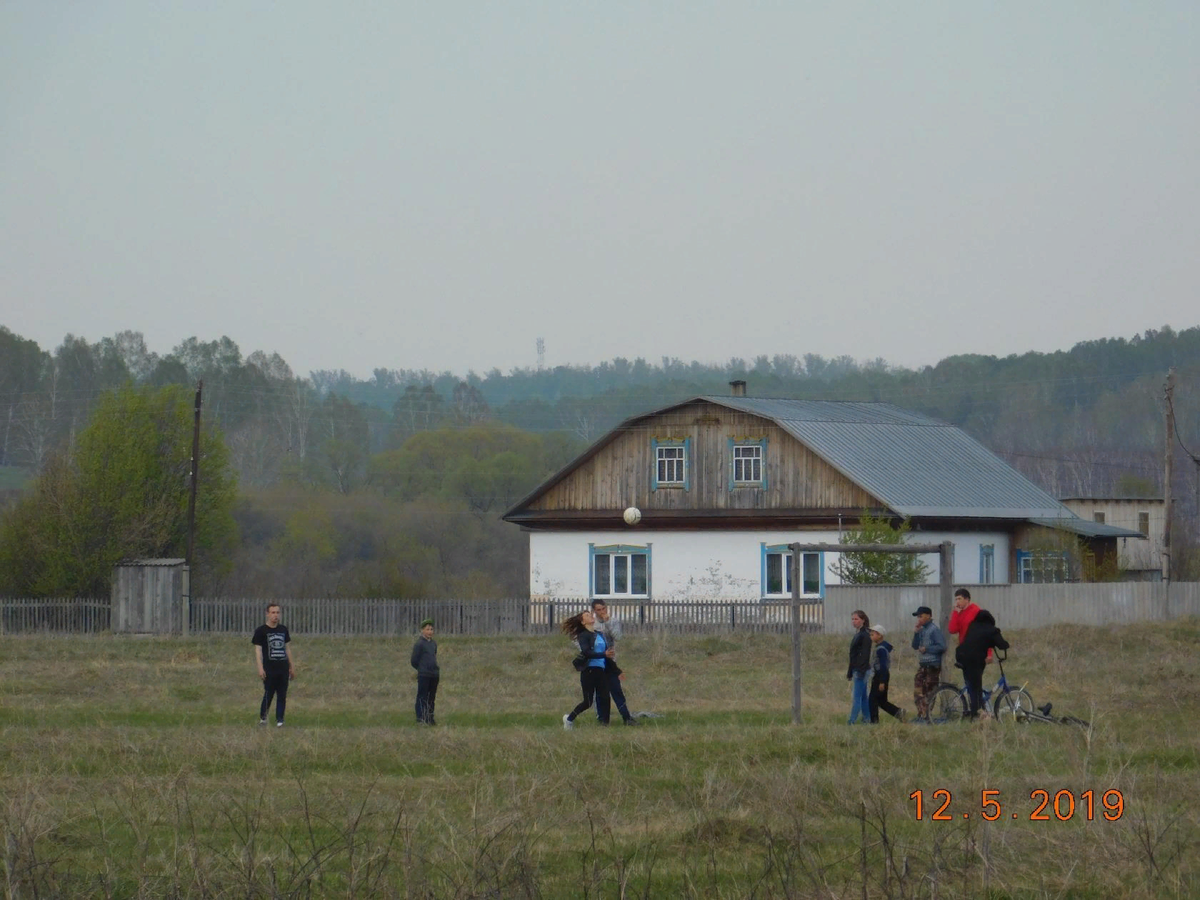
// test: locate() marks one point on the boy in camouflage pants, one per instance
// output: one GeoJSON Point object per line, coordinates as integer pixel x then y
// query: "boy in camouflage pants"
{"type": "Point", "coordinates": [931, 645]}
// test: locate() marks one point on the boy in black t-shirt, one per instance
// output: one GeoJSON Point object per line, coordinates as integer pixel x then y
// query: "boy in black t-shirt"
{"type": "Point", "coordinates": [275, 667]}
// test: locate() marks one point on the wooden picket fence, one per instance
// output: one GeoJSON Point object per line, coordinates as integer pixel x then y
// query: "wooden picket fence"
{"type": "Point", "coordinates": [339, 616]}
{"type": "Point", "coordinates": [509, 616]}
{"type": "Point", "coordinates": [342, 616]}
{"type": "Point", "coordinates": [1015, 606]}
{"type": "Point", "coordinates": [24, 615]}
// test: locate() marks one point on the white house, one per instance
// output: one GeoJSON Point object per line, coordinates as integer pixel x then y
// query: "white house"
{"type": "Point", "coordinates": [724, 484]}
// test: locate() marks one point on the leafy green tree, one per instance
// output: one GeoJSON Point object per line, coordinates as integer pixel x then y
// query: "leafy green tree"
{"type": "Point", "coordinates": [306, 549]}
{"type": "Point", "coordinates": [469, 407]}
{"type": "Point", "coordinates": [21, 365]}
{"type": "Point", "coordinates": [882, 567]}
{"type": "Point", "coordinates": [417, 409]}
{"type": "Point", "coordinates": [486, 467]}
{"type": "Point", "coordinates": [119, 492]}
{"type": "Point", "coordinates": [341, 438]}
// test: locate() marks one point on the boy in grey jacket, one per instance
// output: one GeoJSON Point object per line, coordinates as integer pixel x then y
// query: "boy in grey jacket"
{"type": "Point", "coordinates": [931, 645]}
{"type": "Point", "coordinates": [424, 660]}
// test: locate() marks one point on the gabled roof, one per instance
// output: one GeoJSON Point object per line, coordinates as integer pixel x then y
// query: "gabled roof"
{"type": "Point", "coordinates": [918, 466]}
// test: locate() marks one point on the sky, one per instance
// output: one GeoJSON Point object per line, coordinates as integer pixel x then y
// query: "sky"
{"type": "Point", "coordinates": [407, 185]}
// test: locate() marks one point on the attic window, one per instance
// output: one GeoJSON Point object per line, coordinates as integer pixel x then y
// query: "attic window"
{"type": "Point", "coordinates": [671, 464]}
{"type": "Point", "coordinates": [747, 462]}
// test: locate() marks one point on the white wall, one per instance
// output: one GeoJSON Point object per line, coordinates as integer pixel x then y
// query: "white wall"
{"type": "Point", "coordinates": [698, 565]}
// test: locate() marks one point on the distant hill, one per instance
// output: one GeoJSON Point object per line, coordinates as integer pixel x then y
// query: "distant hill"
{"type": "Point", "coordinates": [1077, 421]}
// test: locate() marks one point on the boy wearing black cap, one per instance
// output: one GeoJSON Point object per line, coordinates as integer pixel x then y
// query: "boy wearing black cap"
{"type": "Point", "coordinates": [424, 660]}
{"type": "Point", "coordinates": [927, 641]}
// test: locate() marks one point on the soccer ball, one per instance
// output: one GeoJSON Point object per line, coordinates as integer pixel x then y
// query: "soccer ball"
{"type": "Point", "coordinates": [633, 515]}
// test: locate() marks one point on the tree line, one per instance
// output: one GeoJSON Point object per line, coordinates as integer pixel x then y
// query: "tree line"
{"type": "Point", "coordinates": [393, 484]}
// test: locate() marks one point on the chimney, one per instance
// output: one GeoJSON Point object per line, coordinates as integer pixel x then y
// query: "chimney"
{"type": "Point", "coordinates": [738, 388]}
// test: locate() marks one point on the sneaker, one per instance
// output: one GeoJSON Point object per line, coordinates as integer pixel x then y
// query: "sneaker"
{"type": "Point", "coordinates": [903, 716]}
{"type": "Point", "coordinates": [567, 723]}
{"type": "Point", "coordinates": [262, 721]}
{"type": "Point", "coordinates": [279, 724]}
{"type": "Point", "coordinates": [631, 721]}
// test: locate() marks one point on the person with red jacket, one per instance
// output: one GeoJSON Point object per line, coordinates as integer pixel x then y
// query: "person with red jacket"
{"type": "Point", "coordinates": [963, 615]}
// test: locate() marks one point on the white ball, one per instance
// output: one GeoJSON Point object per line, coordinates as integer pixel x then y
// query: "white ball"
{"type": "Point", "coordinates": [633, 515]}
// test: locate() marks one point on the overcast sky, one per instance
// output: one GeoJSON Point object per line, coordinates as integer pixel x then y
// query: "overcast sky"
{"type": "Point", "coordinates": [438, 184]}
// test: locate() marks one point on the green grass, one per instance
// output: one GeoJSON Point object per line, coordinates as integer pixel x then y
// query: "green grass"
{"type": "Point", "coordinates": [133, 767]}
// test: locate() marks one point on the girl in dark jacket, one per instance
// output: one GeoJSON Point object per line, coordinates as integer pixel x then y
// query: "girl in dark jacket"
{"type": "Point", "coordinates": [971, 655]}
{"type": "Point", "coordinates": [592, 677]}
{"type": "Point", "coordinates": [859, 668]}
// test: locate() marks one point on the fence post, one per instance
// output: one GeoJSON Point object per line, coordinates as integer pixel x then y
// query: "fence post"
{"type": "Point", "coordinates": [796, 645]}
{"type": "Point", "coordinates": [946, 594]}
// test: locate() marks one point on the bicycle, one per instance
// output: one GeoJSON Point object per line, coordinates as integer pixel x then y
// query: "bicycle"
{"type": "Point", "coordinates": [950, 703]}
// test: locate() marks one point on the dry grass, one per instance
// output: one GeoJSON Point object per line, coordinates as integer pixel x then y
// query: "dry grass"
{"type": "Point", "coordinates": [133, 768]}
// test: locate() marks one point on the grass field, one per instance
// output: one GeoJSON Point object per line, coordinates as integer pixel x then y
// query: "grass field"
{"type": "Point", "coordinates": [133, 767]}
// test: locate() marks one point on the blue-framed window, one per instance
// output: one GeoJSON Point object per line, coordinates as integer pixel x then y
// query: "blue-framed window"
{"type": "Point", "coordinates": [987, 563]}
{"type": "Point", "coordinates": [777, 573]}
{"type": "Point", "coordinates": [619, 570]}
{"type": "Point", "coordinates": [747, 462]}
{"type": "Point", "coordinates": [1043, 567]}
{"type": "Point", "coordinates": [672, 464]}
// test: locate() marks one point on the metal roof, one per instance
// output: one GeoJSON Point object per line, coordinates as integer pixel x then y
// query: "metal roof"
{"type": "Point", "coordinates": [1088, 529]}
{"type": "Point", "coordinates": [918, 466]}
{"type": "Point", "coordinates": [1111, 498]}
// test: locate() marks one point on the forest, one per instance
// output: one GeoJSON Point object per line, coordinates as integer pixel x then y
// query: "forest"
{"type": "Point", "coordinates": [329, 484]}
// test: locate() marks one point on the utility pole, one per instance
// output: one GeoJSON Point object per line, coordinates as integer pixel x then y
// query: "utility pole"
{"type": "Point", "coordinates": [1168, 460]}
{"type": "Point", "coordinates": [191, 518]}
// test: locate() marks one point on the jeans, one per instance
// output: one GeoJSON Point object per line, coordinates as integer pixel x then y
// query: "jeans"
{"type": "Point", "coordinates": [618, 696]}
{"type": "Point", "coordinates": [860, 703]}
{"type": "Point", "coordinates": [594, 681]}
{"type": "Point", "coordinates": [973, 676]}
{"type": "Point", "coordinates": [275, 686]}
{"type": "Point", "coordinates": [426, 698]}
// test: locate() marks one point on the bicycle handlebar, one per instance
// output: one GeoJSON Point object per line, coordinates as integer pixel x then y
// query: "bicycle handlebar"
{"type": "Point", "coordinates": [1001, 655]}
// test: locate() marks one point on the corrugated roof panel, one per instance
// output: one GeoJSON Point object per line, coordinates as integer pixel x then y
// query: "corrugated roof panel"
{"type": "Point", "coordinates": [917, 465]}
{"type": "Point", "coordinates": [1089, 529]}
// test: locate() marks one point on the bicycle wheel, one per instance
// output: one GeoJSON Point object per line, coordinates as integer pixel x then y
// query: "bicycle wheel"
{"type": "Point", "coordinates": [947, 705]}
{"type": "Point", "coordinates": [1013, 705]}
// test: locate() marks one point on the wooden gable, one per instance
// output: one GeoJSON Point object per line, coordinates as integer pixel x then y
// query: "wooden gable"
{"type": "Point", "coordinates": [620, 473]}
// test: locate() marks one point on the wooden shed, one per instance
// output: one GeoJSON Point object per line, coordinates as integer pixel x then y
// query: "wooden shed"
{"type": "Point", "coordinates": [147, 596]}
